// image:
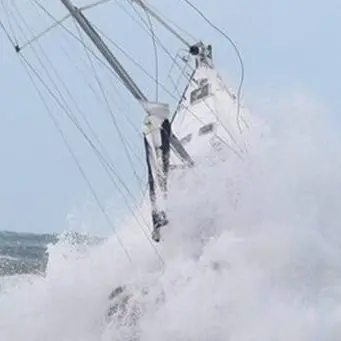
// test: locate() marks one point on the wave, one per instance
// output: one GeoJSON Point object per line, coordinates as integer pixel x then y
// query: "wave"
{"type": "Point", "coordinates": [26, 253]}
{"type": "Point", "coordinates": [252, 252]}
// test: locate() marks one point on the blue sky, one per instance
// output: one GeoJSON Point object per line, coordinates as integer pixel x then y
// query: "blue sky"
{"type": "Point", "coordinates": [285, 44]}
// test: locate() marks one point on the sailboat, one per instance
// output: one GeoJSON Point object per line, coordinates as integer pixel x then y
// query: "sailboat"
{"type": "Point", "coordinates": [207, 119]}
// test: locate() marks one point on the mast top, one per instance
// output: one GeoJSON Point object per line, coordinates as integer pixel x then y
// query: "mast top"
{"type": "Point", "coordinates": [202, 54]}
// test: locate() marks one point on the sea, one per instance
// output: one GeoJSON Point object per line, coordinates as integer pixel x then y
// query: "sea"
{"type": "Point", "coordinates": [252, 252]}
{"type": "Point", "coordinates": [24, 253]}
{"type": "Point", "coordinates": [27, 253]}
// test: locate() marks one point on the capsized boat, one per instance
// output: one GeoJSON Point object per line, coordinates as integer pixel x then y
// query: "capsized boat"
{"type": "Point", "coordinates": [208, 118]}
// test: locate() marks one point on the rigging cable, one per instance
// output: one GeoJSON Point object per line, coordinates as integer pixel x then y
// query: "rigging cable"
{"type": "Point", "coordinates": [161, 15]}
{"type": "Point", "coordinates": [112, 116]}
{"type": "Point", "coordinates": [156, 57]}
{"type": "Point", "coordinates": [233, 44]}
{"type": "Point", "coordinates": [211, 110]}
{"type": "Point", "coordinates": [59, 22]}
{"type": "Point", "coordinates": [13, 40]}
{"type": "Point", "coordinates": [183, 72]}
{"type": "Point", "coordinates": [104, 162]}
{"type": "Point", "coordinates": [29, 67]}
{"type": "Point", "coordinates": [126, 150]}
{"type": "Point", "coordinates": [7, 34]}
{"type": "Point", "coordinates": [166, 90]}
{"type": "Point", "coordinates": [80, 168]}
{"type": "Point", "coordinates": [93, 54]}
{"type": "Point", "coordinates": [170, 93]}
{"type": "Point", "coordinates": [127, 55]}
{"type": "Point", "coordinates": [95, 4]}
{"type": "Point", "coordinates": [156, 39]}
{"type": "Point", "coordinates": [142, 189]}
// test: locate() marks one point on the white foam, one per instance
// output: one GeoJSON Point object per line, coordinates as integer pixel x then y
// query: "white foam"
{"type": "Point", "coordinates": [252, 253]}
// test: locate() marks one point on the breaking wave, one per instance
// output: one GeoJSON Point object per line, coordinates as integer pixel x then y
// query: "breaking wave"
{"type": "Point", "coordinates": [252, 252]}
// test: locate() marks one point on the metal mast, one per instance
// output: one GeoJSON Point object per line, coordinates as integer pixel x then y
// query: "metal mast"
{"type": "Point", "coordinates": [103, 48]}
{"type": "Point", "coordinates": [129, 83]}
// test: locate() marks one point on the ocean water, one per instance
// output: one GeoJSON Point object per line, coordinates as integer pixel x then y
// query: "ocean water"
{"type": "Point", "coordinates": [27, 253]}
{"type": "Point", "coordinates": [252, 252]}
{"type": "Point", "coordinates": [23, 253]}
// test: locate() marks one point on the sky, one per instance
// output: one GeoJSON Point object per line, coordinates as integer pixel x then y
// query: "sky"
{"type": "Point", "coordinates": [286, 45]}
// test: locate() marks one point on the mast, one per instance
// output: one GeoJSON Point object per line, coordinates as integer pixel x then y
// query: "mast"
{"type": "Point", "coordinates": [158, 136]}
{"type": "Point", "coordinates": [129, 83]}
{"type": "Point", "coordinates": [105, 51]}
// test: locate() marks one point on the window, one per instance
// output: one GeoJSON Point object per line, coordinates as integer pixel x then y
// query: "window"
{"type": "Point", "coordinates": [208, 128]}
{"type": "Point", "coordinates": [186, 139]}
{"type": "Point", "coordinates": [203, 81]}
{"type": "Point", "coordinates": [200, 93]}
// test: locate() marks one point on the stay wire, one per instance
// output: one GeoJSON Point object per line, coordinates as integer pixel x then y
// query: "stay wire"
{"type": "Point", "coordinates": [165, 18]}
{"type": "Point", "coordinates": [156, 57]}
{"type": "Point", "coordinates": [209, 108]}
{"type": "Point", "coordinates": [13, 40]}
{"type": "Point", "coordinates": [78, 40]}
{"type": "Point", "coordinates": [7, 34]}
{"type": "Point", "coordinates": [145, 27]}
{"type": "Point", "coordinates": [123, 142]}
{"type": "Point", "coordinates": [85, 47]}
{"type": "Point", "coordinates": [91, 87]}
{"type": "Point", "coordinates": [108, 166]}
{"type": "Point", "coordinates": [113, 118]}
{"type": "Point", "coordinates": [150, 27]}
{"type": "Point", "coordinates": [170, 93]}
{"type": "Point", "coordinates": [96, 138]}
{"type": "Point", "coordinates": [193, 114]}
{"type": "Point", "coordinates": [29, 67]}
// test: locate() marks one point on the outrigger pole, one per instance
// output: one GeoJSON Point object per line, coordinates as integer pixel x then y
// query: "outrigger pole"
{"type": "Point", "coordinates": [157, 133]}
